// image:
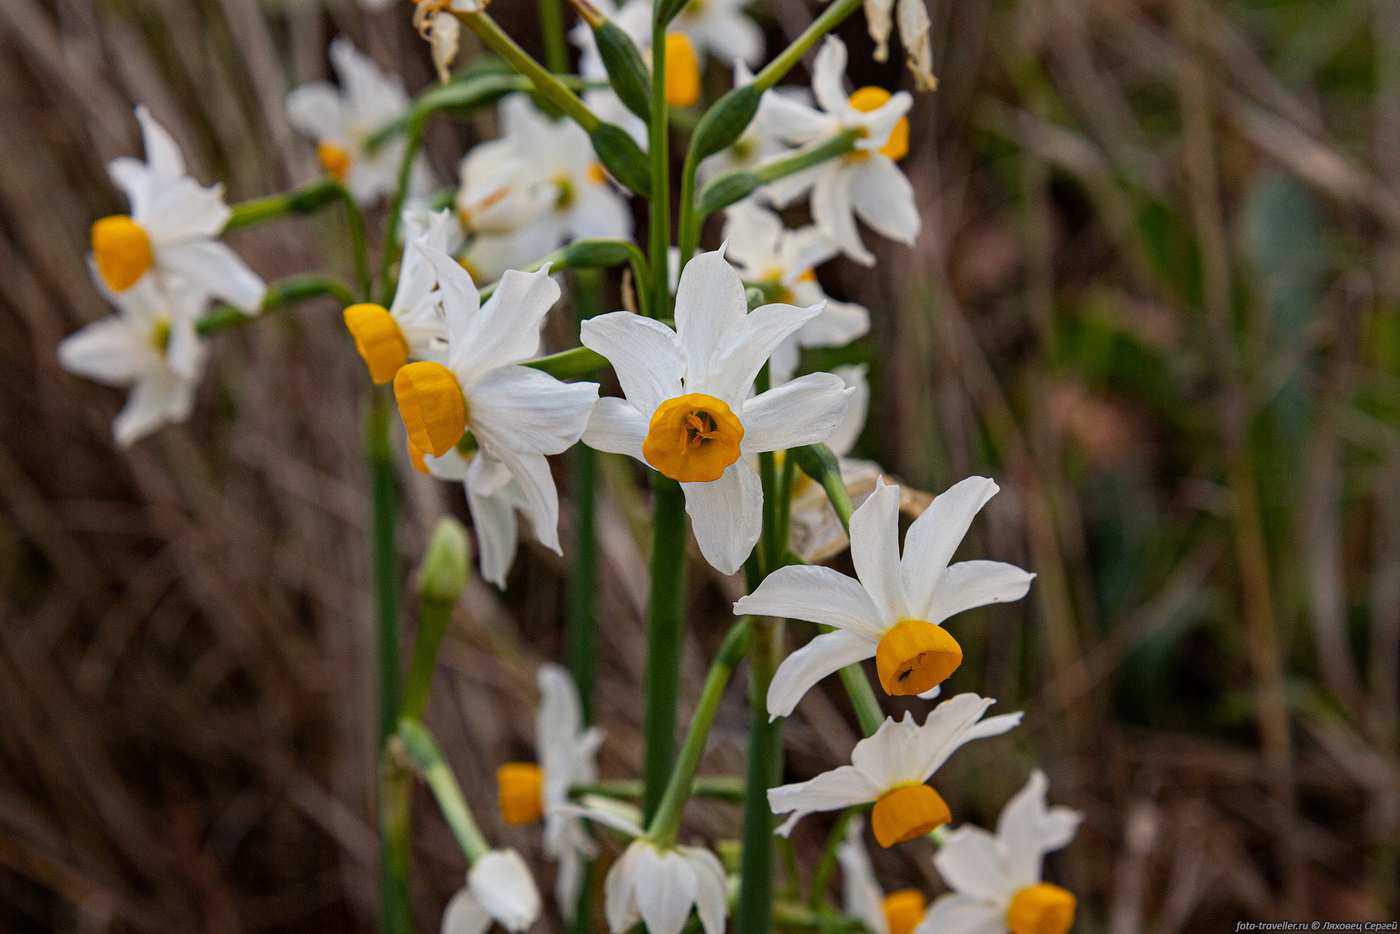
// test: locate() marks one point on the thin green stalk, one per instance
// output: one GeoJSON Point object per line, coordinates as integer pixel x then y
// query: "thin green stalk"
{"type": "Point", "coordinates": [754, 914]}
{"type": "Point", "coordinates": [359, 243]}
{"type": "Point", "coordinates": [547, 84]}
{"type": "Point", "coordinates": [395, 824]}
{"type": "Point", "coordinates": [583, 573]}
{"type": "Point", "coordinates": [722, 787]}
{"type": "Point", "coordinates": [666, 824]}
{"type": "Point", "coordinates": [688, 226]}
{"type": "Point", "coordinates": [829, 19]}
{"type": "Point", "coordinates": [658, 150]}
{"type": "Point", "coordinates": [385, 557]}
{"type": "Point", "coordinates": [726, 189]}
{"type": "Point", "coordinates": [665, 636]}
{"type": "Point", "coordinates": [422, 751]}
{"type": "Point", "coordinates": [441, 579]}
{"type": "Point", "coordinates": [282, 292]}
{"type": "Point", "coordinates": [556, 51]}
{"type": "Point", "coordinates": [302, 200]}
{"type": "Point", "coordinates": [826, 866]}
{"type": "Point", "coordinates": [567, 364]}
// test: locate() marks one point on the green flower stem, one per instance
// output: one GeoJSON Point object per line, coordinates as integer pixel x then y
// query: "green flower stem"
{"type": "Point", "coordinates": [418, 745]}
{"type": "Point", "coordinates": [384, 507]}
{"type": "Point", "coordinates": [282, 292]}
{"type": "Point", "coordinates": [303, 200]}
{"type": "Point", "coordinates": [556, 51]}
{"type": "Point", "coordinates": [867, 705]}
{"type": "Point", "coordinates": [658, 149]}
{"type": "Point", "coordinates": [359, 243]}
{"type": "Point", "coordinates": [583, 573]}
{"type": "Point", "coordinates": [441, 579]}
{"type": "Point", "coordinates": [754, 914]}
{"type": "Point", "coordinates": [826, 866]}
{"type": "Point", "coordinates": [794, 916]}
{"type": "Point", "coordinates": [688, 226]}
{"type": "Point", "coordinates": [665, 636]}
{"type": "Point", "coordinates": [590, 254]}
{"type": "Point", "coordinates": [395, 825]}
{"type": "Point", "coordinates": [554, 90]}
{"type": "Point", "coordinates": [726, 189]}
{"type": "Point", "coordinates": [413, 142]}
{"type": "Point", "coordinates": [667, 823]}
{"type": "Point", "coordinates": [722, 787]}
{"type": "Point", "coordinates": [568, 364]}
{"type": "Point", "coordinates": [829, 19]}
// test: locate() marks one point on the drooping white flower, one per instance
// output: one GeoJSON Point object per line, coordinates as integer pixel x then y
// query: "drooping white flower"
{"type": "Point", "coordinates": [150, 345]}
{"type": "Point", "coordinates": [567, 752]}
{"type": "Point", "coordinates": [996, 878]}
{"type": "Point", "coordinates": [171, 229]}
{"type": "Point", "coordinates": [781, 262]}
{"type": "Point", "coordinates": [866, 182]}
{"type": "Point", "coordinates": [516, 415]}
{"type": "Point", "coordinates": [687, 410]}
{"type": "Point", "coordinates": [861, 896]}
{"type": "Point", "coordinates": [890, 769]}
{"type": "Point", "coordinates": [413, 326]}
{"type": "Point", "coordinates": [894, 607]}
{"type": "Point", "coordinates": [914, 27]}
{"type": "Point", "coordinates": [342, 120]}
{"type": "Point", "coordinates": [499, 889]}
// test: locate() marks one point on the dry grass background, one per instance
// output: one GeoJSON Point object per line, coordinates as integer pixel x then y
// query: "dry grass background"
{"type": "Point", "coordinates": [1155, 296]}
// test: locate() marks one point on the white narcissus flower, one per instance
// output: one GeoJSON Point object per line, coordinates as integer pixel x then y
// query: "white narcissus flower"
{"type": "Point", "coordinates": [500, 192]}
{"type": "Point", "coordinates": [341, 121]}
{"type": "Point", "coordinates": [866, 182]}
{"type": "Point", "coordinates": [781, 261]}
{"type": "Point", "coordinates": [914, 27]}
{"type": "Point", "coordinates": [890, 769]}
{"type": "Point", "coordinates": [687, 410]}
{"type": "Point", "coordinates": [568, 754]}
{"type": "Point", "coordinates": [893, 608]}
{"type": "Point", "coordinates": [862, 898]}
{"type": "Point", "coordinates": [151, 345]}
{"type": "Point", "coordinates": [512, 415]}
{"type": "Point", "coordinates": [171, 228]}
{"type": "Point", "coordinates": [499, 888]}
{"type": "Point", "coordinates": [413, 326]}
{"type": "Point", "coordinates": [996, 878]}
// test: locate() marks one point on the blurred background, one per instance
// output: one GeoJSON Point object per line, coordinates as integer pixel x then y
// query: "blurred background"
{"type": "Point", "coordinates": [1155, 296]}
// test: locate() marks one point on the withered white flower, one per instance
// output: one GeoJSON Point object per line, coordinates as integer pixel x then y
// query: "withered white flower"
{"type": "Point", "coordinates": [687, 411]}
{"type": "Point", "coordinates": [914, 30]}
{"type": "Point", "coordinates": [171, 230]}
{"type": "Point", "coordinates": [781, 262]}
{"type": "Point", "coordinates": [861, 896]}
{"type": "Point", "coordinates": [342, 120]}
{"type": "Point", "coordinates": [890, 769]}
{"type": "Point", "coordinates": [866, 182]}
{"type": "Point", "coordinates": [499, 889]}
{"type": "Point", "coordinates": [516, 415]}
{"type": "Point", "coordinates": [996, 878]}
{"type": "Point", "coordinates": [893, 608]}
{"type": "Point", "coordinates": [567, 754]}
{"type": "Point", "coordinates": [150, 345]}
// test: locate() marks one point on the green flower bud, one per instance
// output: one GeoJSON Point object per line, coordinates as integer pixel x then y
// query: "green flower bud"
{"type": "Point", "coordinates": [726, 121]}
{"type": "Point", "coordinates": [627, 70]}
{"type": "Point", "coordinates": [622, 157]}
{"type": "Point", "coordinates": [443, 573]}
{"type": "Point", "coordinates": [727, 189]}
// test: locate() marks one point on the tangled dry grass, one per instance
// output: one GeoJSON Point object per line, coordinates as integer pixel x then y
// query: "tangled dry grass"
{"type": "Point", "coordinates": [1155, 296]}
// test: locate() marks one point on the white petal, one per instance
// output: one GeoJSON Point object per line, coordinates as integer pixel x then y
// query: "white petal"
{"type": "Point", "coordinates": [154, 400]}
{"type": "Point", "coordinates": [711, 895]}
{"type": "Point", "coordinates": [862, 897]}
{"type": "Point", "coordinates": [529, 411]}
{"type": "Point", "coordinates": [710, 304]}
{"type": "Point", "coordinates": [949, 726]}
{"type": "Point", "coordinates": [829, 76]}
{"type": "Point", "coordinates": [600, 212]}
{"type": "Point", "coordinates": [620, 889]}
{"type": "Point", "coordinates": [827, 653]}
{"type": "Point", "coordinates": [181, 210]}
{"type": "Point", "coordinates": [666, 890]}
{"type": "Point", "coordinates": [1028, 829]}
{"type": "Point", "coordinates": [461, 302]}
{"type": "Point", "coordinates": [993, 726]}
{"type": "Point", "coordinates": [315, 110]}
{"type": "Point", "coordinates": [507, 329]}
{"type": "Point", "coordinates": [109, 351]}
{"type": "Point", "coordinates": [162, 154]}
{"type": "Point", "coordinates": [934, 537]}
{"type": "Point", "coordinates": [875, 551]}
{"type": "Point", "coordinates": [839, 788]}
{"type": "Point", "coordinates": [848, 433]}
{"type": "Point", "coordinates": [969, 584]}
{"type": "Point", "coordinates": [730, 373]}
{"type": "Point", "coordinates": [464, 915]}
{"type": "Point", "coordinates": [959, 914]}
{"type": "Point", "coordinates": [790, 120]}
{"type": "Point", "coordinates": [643, 352]}
{"type": "Point", "coordinates": [217, 270]}
{"type": "Point", "coordinates": [817, 594]}
{"type": "Point", "coordinates": [539, 499]}
{"type": "Point", "coordinates": [970, 863]}
{"type": "Point", "coordinates": [884, 199]}
{"type": "Point", "coordinates": [805, 411]}
{"type": "Point", "coordinates": [493, 522]}
{"type": "Point", "coordinates": [727, 515]}
{"type": "Point", "coordinates": [832, 211]}
{"type": "Point", "coordinates": [503, 886]}
{"type": "Point", "coordinates": [617, 427]}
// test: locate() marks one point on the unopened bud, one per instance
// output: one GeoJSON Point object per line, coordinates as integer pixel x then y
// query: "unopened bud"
{"type": "Point", "coordinates": [443, 572]}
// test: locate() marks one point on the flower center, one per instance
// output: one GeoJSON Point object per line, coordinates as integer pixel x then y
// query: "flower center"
{"type": "Point", "coordinates": [565, 197]}
{"type": "Point", "coordinates": [904, 910]}
{"type": "Point", "coordinates": [596, 175]}
{"type": "Point", "coordinates": [915, 656]}
{"type": "Point", "coordinates": [160, 335]}
{"type": "Point", "coordinates": [1041, 909]}
{"type": "Point", "coordinates": [122, 250]}
{"type": "Point", "coordinates": [519, 792]}
{"type": "Point", "coordinates": [907, 812]}
{"type": "Point", "coordinates": [432, 406]}
{"type": "Point", "coordinates": [693, 438]}
{"type": "Point", "coordinates": [378, 339]}
{"type": "Point", "coordinates": [872, 98]}
{"type": "Point", "coordinates": [335, 159]}
{"type": "Point", "coordinates": [682, 71]}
